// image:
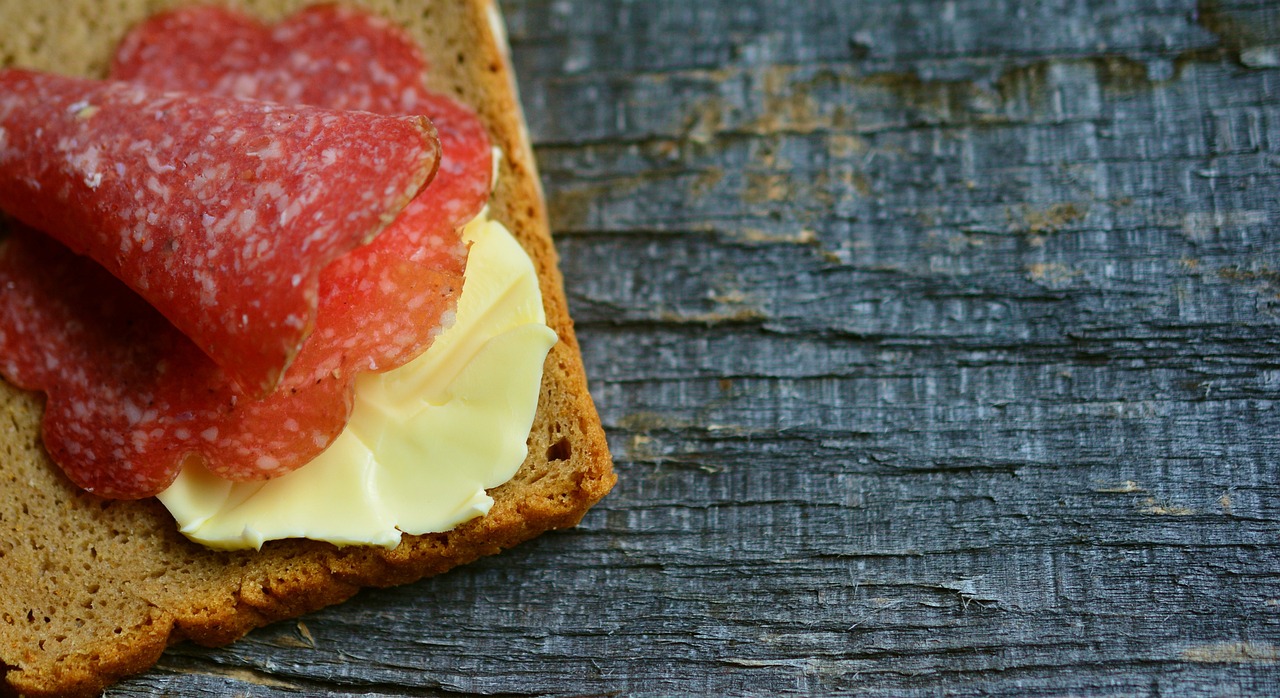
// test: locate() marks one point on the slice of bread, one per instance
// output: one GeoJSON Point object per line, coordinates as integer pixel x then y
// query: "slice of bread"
{"type": "Point", "coordinates": [92, 590]}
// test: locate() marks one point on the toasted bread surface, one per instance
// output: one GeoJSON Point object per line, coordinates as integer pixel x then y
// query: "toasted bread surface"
{"type": "Point", "coordinates": [92, 590]}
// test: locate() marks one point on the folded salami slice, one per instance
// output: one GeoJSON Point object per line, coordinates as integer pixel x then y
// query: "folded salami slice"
{"type": "Point", "coordinates": [220, 212]}
{"type": "Point", "coordinates": [338, 58]}
{"type": "Point", "coordinates": [124, 409]}
{"type": "Point", "coordinates": [311, 58]}
{"type": "Point", "coordinates": [128, 395]}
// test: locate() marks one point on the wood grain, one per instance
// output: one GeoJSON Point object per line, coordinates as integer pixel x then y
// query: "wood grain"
{"type": "Point", "coordinates": [939, 348]}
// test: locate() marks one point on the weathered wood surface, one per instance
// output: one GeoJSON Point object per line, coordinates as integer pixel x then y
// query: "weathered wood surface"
{"type": "Point", "coordinates": [938, 343]}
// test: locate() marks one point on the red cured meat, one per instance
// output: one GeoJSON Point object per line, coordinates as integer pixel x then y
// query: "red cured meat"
{"type": "Point", "coordinates": [342, 59]}
{"type": "Point", "coordinates": [109, 395]}
{"type": "Point", "coordinates": [325, 55]}
{"type": "Point", "coordinates": [128, 395]}
{"type": "Point", "coordinates": [220, 212]}
{"type": "Point", "coordinates": [328, 56]}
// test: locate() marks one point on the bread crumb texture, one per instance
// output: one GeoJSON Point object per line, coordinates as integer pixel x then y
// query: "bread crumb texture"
{"type": "Point", "coordinates": [93, 590]}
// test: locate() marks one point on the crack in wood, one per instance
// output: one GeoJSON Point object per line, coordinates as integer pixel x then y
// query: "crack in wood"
{"type": "Point", "coordinates": [239, 674]}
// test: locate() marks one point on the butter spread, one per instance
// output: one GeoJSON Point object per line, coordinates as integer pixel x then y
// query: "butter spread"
{"type": "Point", "coordinates": [425, 440]}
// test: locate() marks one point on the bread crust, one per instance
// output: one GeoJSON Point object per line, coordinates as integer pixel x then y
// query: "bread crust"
{"type": "Point", "coordinates": [93, 590]}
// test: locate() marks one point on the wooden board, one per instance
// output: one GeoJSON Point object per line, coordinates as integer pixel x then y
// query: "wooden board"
{"type": "Point", "coordinates": [938, 343]}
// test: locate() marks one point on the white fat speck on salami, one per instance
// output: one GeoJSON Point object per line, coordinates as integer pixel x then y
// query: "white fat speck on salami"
{"type": "Point", "coordinates": [207, 206]}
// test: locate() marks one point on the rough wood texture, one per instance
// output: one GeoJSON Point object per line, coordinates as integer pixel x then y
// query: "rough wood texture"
{"type": "Point", "coordinates": [939, 347]}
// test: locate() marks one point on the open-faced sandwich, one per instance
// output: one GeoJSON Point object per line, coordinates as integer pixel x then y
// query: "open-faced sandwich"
{"type": "Point", "coordinates": [279, 318]}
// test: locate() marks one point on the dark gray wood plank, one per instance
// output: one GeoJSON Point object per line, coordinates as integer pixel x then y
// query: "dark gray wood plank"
{"type": "Point", "coordinates": [937, 343]}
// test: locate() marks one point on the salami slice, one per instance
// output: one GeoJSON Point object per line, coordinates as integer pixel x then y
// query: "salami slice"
{"type": "Point", "coordinates": [325, 55]}
{"type": "Point", "coordinates": [338, 58]}
{"type": "Point", "coordinates": [129, 397]}
{"type": "Point", "coordinates": [220, 212]}
{"type": "Point", "coordinates": [328, 56]}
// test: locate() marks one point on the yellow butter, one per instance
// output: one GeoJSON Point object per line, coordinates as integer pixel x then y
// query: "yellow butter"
{"type": "Point", "coordinates": [425, 440]}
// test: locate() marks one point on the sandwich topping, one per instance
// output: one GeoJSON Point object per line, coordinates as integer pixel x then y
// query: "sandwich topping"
{"type": "Point", "coordinates": [327, 56]}
{"type": "Point", "coordinates": [425, 440]}
{"type": "Point", "coordinates": [131, 400]}
{"type": "Point", "coordinates": [338, 58]}
{"type": "Point", "coordinates": [220, 212]}
{"type": "Point", "coordinates": [127, 399]}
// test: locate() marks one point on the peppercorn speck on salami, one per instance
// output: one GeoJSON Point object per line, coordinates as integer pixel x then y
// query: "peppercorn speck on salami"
{"type": "Point", "coordinates": [220, 212]}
